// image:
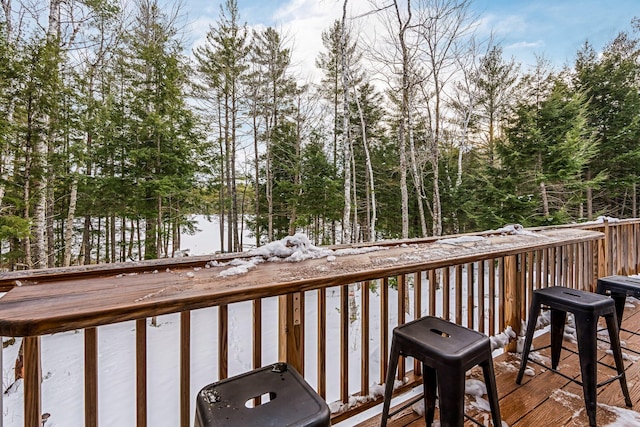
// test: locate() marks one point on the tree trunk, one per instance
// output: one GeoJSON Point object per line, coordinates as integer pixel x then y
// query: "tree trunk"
{"type": "Point", "coordinates": [40, 210]}
{"type": "Point", "coordinates": [257, 174]}
{"type": "Point", "coordinates": [297, 179]}
{"type": "Point", "coordinates": [417, 179]}
{"type": "Point", "coordinates": [234, 191]}
{"type": "Point", "coordinates": [113, 229]}
{"type": "Point", "coordinates": [68, 231]}
{"type": "Point", "coordinates": [372, 215]}
{"type": "Point", "coordinates": [228, 173]}
{"type": "Point", "coordinates": [346, 140]}
{"type": "Point", "coordinates": [404, 109]}
{"type": "Point", "coordinates": [545, 200]}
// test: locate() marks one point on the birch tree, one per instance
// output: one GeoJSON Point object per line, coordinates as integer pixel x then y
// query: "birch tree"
{"type": "Point", "coordinates": [346, 138]}
{"type": "Point", "coordinates": [397, 56]}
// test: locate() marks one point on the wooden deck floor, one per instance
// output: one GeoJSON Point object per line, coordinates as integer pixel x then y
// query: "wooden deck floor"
{"type": "Point", "coordinates": [548, 399]}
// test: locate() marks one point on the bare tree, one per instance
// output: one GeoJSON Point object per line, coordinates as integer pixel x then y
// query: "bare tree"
{"type": "Point", "coordinates": [371, 190]}
{"type": "Point", "coordinates": [443, 27]}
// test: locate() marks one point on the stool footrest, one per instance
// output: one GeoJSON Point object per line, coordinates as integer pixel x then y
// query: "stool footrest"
{"type": "Point", "coordinates": [574, 380]}
{"type": "Point", "coordinates": [406, 404]}
{"type": "Point", "coordinates": [623, 348]}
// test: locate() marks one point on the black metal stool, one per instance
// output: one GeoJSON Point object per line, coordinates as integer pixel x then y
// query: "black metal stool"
{"type": "Point", "coordinates": [447, 351]}
{"type": "Point", "coordinates": [292, 402]}
{"type": "Point", "coordinates": [586, 307]}
{"type": "Point", "coordinates": [619, 288]}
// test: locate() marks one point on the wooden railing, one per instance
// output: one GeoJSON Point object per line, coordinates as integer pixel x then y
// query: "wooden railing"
{"type": "Point", "coordinates": [358, 298]}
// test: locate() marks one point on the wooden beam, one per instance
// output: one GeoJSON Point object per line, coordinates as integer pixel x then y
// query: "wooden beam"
{"type": "Point", "coordinates": [513, 296]}
{"type": "Point", "coordinates": [32, 379]}
{"type": "Point", "coordinates": [91, 377]}
{"type": "Point", "coordinates": [291, 330]}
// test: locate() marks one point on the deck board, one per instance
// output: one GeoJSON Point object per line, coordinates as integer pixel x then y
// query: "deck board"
{"type": "Point", "coordinates": [548, 399]}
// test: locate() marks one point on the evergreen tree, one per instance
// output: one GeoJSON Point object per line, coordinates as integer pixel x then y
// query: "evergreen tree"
{"type": "Point", "coordinates": [285, 164]}
{"type": "Point", "coordinates": [547, 148]}
{"type": "Point", "coordinates": [611, 82]}
{"type": "Point", "coordinates": [222, 65]}
{"type": "Point", "coordinates": [321, 200]}
{"type": "Point", "coordinates": [495, 83]}
{"type": "Point", "coordinates": [275, 94]}
{"type": "Point", "coordinates": [14, 226]}
{"type": "Point", "coordinates": [160, 156]}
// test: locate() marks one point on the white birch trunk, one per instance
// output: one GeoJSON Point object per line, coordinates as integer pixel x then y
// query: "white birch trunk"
{"type": "Point", "coordinates": [68, 231]}
{"type": "Point", "coordinates": [53, 30]}
{"type": "Point", "coordinates": [372, 187]}
{"type": "Point", "coordinates": [346, 149]}
{"type": "Point", "coordinates": [402, 29]}
{"type": "Point", "coordinates": [40, 223]}
{"type": "Point", "coordinates": [417, 181]}
{"type": "Point", "coordinates": [545, 199]}
{"type": "Point", "coordinates": [40, 156]}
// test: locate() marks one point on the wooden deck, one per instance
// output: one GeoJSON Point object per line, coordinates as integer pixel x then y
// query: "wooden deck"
{"type": "Point", "coordinates": [548, 399]}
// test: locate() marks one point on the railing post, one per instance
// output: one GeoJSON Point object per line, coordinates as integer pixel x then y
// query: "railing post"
{"type": "Point", "coordinates": [603, 252]}
{"type": "Point", "coordinates": [291, 330]}
{"type": "Point", "coordinates": [91, 377]}
{"type": "Point", "coordinates": [513, 296]}
{"type": "Point", "coordinates": [32, 379]}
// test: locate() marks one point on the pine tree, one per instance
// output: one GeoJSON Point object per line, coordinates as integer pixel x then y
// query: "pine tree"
{"type": "Point", "coordinates": [276, 95]}
{"type": "Point", "coordinates": [495, 83]}
{"type": "Point", "coordinates": [161, 128]}
{"type": "Point", "coordinates": [611, 84]}
{"type": "Point", "coordinates": [547, 148]}
{"type": "Point", "coordinates": [222, 65]}
{"type": "Point", "coordinates": [321, 200]}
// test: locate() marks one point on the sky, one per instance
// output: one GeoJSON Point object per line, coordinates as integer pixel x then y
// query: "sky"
{"type": "Point", "coordinates": [555, 29]}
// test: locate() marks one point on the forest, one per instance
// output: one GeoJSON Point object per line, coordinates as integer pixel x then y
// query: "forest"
{"type": "Point", "coordinates": [113, 134]}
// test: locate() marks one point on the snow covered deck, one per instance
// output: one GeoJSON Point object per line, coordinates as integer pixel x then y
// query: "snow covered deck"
{"type": "Point", "coordinates": [548, 399]}
{"type": "Point", "coordinates": [329, 312]}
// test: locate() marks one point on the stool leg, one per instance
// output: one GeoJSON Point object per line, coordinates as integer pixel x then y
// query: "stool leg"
{"type": "Point", "coordinates": [388, 388]}
{"type": "Point", "coordinates": [429, 385]}
{"type": "Point", "coordinates": [619, 300]}
{"type": "Point", "coordinates": [492, 391]}
{"type": "Point", "coordinates": [528, 340]}
{"type": "Point", "coordinates": [558, 319]}
{"type": "Point", "coordinates": [614, 339]}
{"type": "Point", "coordinates": [451, 399]}
{"type": "Point", "coordinates": [586, 328]}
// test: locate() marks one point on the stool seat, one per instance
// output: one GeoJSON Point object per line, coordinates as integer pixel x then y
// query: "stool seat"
{"type": "Point", "coordinates": [586, 308]}
{"type": "Point", "coordinates": [439, 342]}
{"type": "Point", "coordinates": [574, 300]}
{"type": "Point", "coordinates": [447, 351]}
{"type": "Point", "coordinates": [292, 402]}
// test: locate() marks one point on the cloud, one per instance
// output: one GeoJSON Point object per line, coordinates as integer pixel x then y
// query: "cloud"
{"type": "Point", "coordinates": [526, 45]}
{"type": "Point", "coordinates": [303, 21]}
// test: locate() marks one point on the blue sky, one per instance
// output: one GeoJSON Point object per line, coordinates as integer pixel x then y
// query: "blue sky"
{"type": "Point", "coordinates": [555, 29]}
